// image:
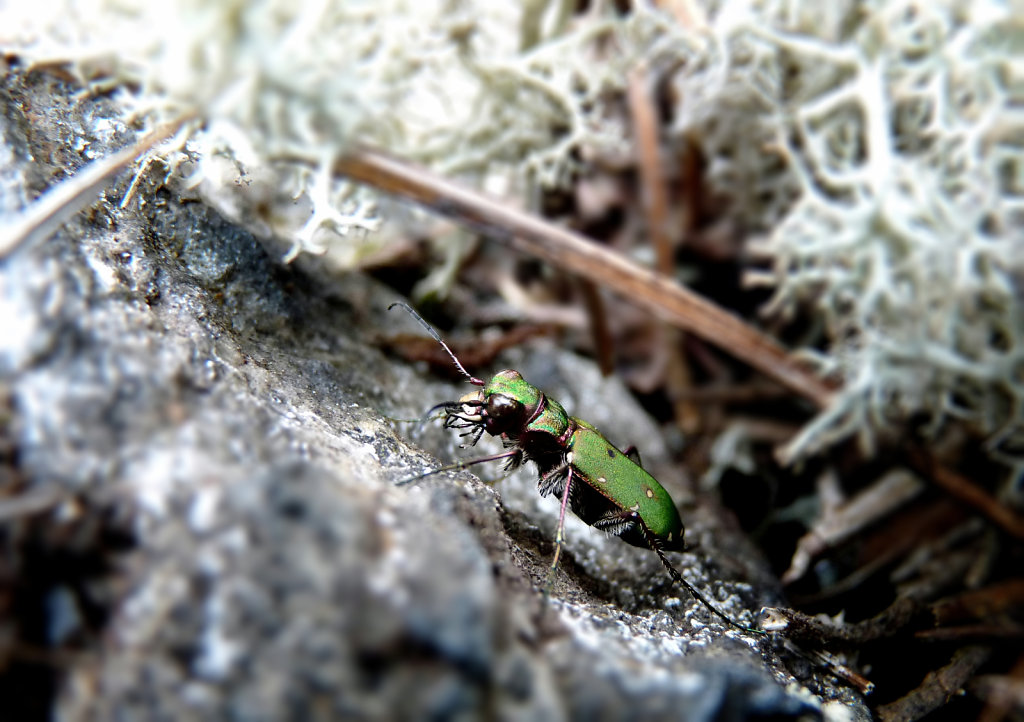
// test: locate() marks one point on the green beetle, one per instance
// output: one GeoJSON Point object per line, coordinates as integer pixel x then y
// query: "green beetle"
{"type": "Point", "coordinates": [605, 487]}
{"type": "Point", "coordinates": [615, 493]}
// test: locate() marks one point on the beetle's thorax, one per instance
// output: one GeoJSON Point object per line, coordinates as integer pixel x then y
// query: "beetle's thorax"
{"type": "Point", "coordinates": [511, 406]}
{"type": "Point", "coordinates": [511, 383]}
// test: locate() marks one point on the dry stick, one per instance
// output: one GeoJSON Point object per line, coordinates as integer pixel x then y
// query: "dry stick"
{"type": "Point", "coordinates": [938, 686]}
{"type": "Point", "coordinates": [648, 152]}
{"type": "Point", "coordinates": [816, 632]}
{"type": "Point", "coordinates": [999, 692]}
{"type": "Point", "coordinates": [57, 205]}
{"type": "Point", "coordinates": [831, 663]}
{"type": "Point", "coordinates": [968, 492]}
{"type": "Point", "coordinates": [979, 633]}
{"type": "Point", "coordinates": [571, 251]}
{"type": "Point", "coordinates": [994, 601]}
{"type": "Point", "coordinates": [598, 319]}
{"type": "Point", "coordinates": [646, 130]}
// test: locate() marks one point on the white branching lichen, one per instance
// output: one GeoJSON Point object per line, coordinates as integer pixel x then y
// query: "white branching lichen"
{"type": "Point", "coordinates": [878, 149]}
{"type": "Point", "coordinates": [896, 215]}
{"type": "Point", "coordinates": [907, 237]}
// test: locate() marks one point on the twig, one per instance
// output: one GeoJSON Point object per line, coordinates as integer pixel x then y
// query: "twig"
{"type": "Point", "coordinates": [652, 181]}
{"type": "Point", "coordinates": [832, 665]}
{"type": "Point", "coordinates": [937, 687]}
{"type": "Point", "coordinates": [987, 633]}
{"type": "Point", "coordinates": [62, 201]}
{"type": "Point", "coordinates": [842, 671]}
{"type": "Point", "coordinates": [984, 604]}
{"type": "Point", "coordinates": [734, 393]}
{"type": "Point", "coordinates": [1001, 693]}
{"type": "Point", "coordinates": [893, 541]}
{"type": "Point", "coordinates": [29, 503]}
{"type": "Point", "coordinates": [970, 493]}
{"type": "Point", "coordinates": [571, 251]}
{"type": "Point", "coordinates": [655, 199]}
{"type": "Point", "coordinates": [820, 633]}
{"type": "Point", "coordinates": [604, 347]}
{"type": "Point", "coordinates": [880, 499]}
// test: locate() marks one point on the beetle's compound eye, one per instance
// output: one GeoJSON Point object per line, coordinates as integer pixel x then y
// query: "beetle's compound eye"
{"type": "Point", "coordinates": [503, 413]}
{"type": "Point", "coordinates": [500, 406]}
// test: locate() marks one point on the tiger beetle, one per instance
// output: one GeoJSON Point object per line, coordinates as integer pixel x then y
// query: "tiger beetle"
{"type": "Point", "coordinates": [605, 487]}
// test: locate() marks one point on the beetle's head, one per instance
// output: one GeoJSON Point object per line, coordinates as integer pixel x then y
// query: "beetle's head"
{"type": "Point", "coordinates": [505, 404]}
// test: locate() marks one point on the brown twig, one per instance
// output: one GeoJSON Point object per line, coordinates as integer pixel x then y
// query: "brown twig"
{"type": "Point", "coordinates": [571, 251]}
{"type": "Point", "coordinates": [646, 131]}
{"type": "Point", "coordinates": [984, 604]}
{"type": "Point", "coordinates": [937, 687]}
{"type": "Point", "coordinates": [832, 665]}
{"type": "Point", "coordinates": [987, 633]}
{"type": "Point", "coordinates": [603, 346]}
{"type": "Point", "coordinates": [29, 503]}
{"type": "Point", "coordinates": [63, 200]}
{"type": "Point", "coordinates": [837, 668]}
{"type": "Point", "coordinates": [734, 393]}
{"type": "Point", "coordinates": [652, 181]}
{"type": "Point", "coordinates": [890, 542]}
{"type": "Point", "coordinates": [880, 499]}
{"type": "Point", "coordinates": [819, 632]}
{"type": "Point", "coordinates": [1001, 693]}
{"type": "Point", "coordinates": [970, 493]}
{"type": "Point", "coordinates": [481, 352]}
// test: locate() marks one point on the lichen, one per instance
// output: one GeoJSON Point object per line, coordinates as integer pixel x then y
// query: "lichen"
{"type": "Point", "coordinates": [893, 220]}
{"type": "Point", "coordinates": [873, 150]}
{"type": "Point", "coordinates": [279, 89]}
{"type": "Point", "coordinates": [903, 136]}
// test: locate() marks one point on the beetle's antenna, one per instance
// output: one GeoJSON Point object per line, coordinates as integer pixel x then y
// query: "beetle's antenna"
{"type": "Point", "coordinates": [472, 379]}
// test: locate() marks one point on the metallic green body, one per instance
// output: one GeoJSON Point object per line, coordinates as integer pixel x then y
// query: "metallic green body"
{"type": "Point", "coordinates": [614, 474]}
{"type": "Point", "coordinates": [593, 459]}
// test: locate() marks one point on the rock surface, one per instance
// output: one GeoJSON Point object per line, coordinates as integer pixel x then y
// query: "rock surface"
{"type": "Point", "coordinates": [200, 516]}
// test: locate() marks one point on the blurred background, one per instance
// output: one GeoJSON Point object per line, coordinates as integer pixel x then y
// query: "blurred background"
{"type": "Point", "coordinates": [839, 186]}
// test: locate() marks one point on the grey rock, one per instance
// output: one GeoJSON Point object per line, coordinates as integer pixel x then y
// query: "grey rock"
{"type": "Point", "coordinates": [200, 479]}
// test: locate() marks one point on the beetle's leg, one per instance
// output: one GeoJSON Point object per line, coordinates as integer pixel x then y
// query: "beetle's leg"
{"type": "Point", "coordinates": [617, 523]}
{"type": "Point", "coordinates": [560, 533]}
{"type": "Point", "coordinates": [476, 432]}
{"type": "Point", "coordinates": [458, 466]}
{"type": "Point", "coordinates": [514, 460]}
{"type": "Point", "coordinates": [548, 484]}
{"type": "Point", "coordinates": [633, 454]}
